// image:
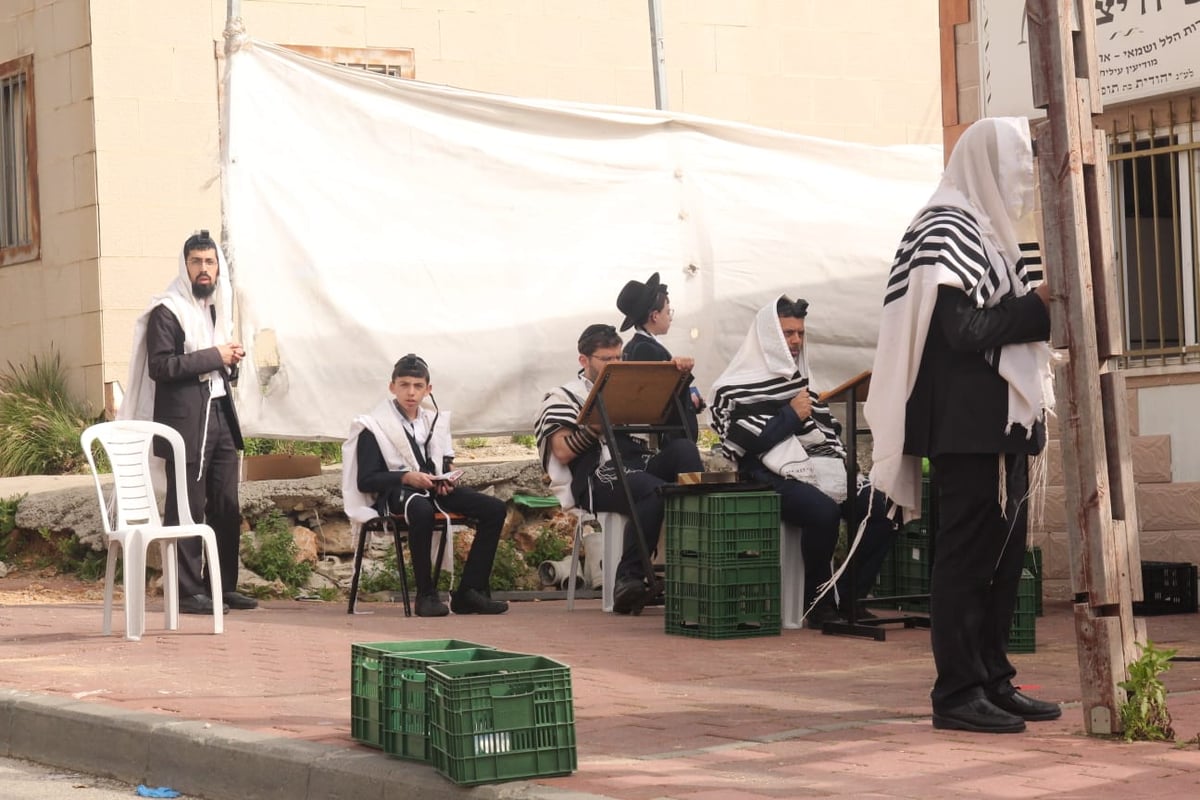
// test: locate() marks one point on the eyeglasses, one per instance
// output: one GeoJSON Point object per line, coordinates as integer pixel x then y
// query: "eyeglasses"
{"type": "Point", "coordinates": [197, 261]}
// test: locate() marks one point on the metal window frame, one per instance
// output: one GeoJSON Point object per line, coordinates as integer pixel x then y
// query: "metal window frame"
{"type": "Point", "coordinates": [1166, 128]}
{"type": "Point", "coordinates": [30, 215]}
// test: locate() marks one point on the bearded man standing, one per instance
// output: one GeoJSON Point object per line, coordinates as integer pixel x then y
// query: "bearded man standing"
{"type": "Point", "coordinates": [180, 375]}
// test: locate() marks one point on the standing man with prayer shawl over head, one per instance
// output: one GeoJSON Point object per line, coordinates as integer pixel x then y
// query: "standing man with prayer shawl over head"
{"type": "Point", "coordinates": [962, 376]}
{"type": "Point", "coordinates": [183, 363]}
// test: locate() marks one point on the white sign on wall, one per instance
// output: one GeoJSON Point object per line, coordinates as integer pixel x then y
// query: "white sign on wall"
{"type": "Point", "coordinates": [1145, 47]}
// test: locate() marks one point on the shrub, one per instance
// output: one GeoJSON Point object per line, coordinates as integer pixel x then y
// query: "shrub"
{"type": "Point", "coordinates": [272, 552]}
{"type": "Point", "coordinates": [1144, 715]}
{"type": "Point", "coordinates": [524, 439]}
{"type": "Point", "coordinates": [329, 452]}
{"type": "Point", "coordinates": [549, 546]}
{"type": "Point", "coordinates": [39, 422]}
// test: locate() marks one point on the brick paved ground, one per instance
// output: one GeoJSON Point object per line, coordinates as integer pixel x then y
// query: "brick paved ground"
{"type": "Point", "coordinates": [798, 715]}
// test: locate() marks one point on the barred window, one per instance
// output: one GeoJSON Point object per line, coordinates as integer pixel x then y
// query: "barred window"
{"type": "Point", "coordinates": [18, 167]}
{"type": "Point", "coordinates": [395, 62]}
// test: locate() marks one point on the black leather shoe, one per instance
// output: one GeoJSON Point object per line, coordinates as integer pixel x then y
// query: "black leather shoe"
{"type": "Point", "coordinates": [430, 605]}
{"type": "Point", "coordinates": [198, 604]}
{"type": "Point", "coordinates": [473, 601]}
{"type": "Point", "coordinates": [1026, 707]}
{"type": "Point", "coordinates": [239, 600]}
{"type": "Point", "coordinates": [816, 619]}
{"type": "Point", "coordinates": [979, 715]}
{"type": "Point", "coordinates": [629, 596]}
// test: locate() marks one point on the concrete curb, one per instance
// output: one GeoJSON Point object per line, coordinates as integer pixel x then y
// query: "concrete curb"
{"type": "Point", "coordinates": [219, 761]}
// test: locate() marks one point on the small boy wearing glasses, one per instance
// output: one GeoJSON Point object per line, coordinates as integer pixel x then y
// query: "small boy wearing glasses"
{"type": "Point", "coordinates": [571, 454]}
{"type": "Point", "coordinates": [402, 453]}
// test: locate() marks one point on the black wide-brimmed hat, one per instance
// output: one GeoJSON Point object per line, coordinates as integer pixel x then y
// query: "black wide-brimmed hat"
{"type": "Point", "coordinates": [637, 299]}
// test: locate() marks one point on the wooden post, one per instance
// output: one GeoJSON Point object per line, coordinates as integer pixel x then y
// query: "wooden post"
{"type": "Point", "coordinates": [1093, 418]}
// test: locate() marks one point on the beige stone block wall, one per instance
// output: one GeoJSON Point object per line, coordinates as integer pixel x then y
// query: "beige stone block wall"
{"type": "Point", "coordinates": [45, 304]}
{"type": "Point", "coordinates": [128, 126]}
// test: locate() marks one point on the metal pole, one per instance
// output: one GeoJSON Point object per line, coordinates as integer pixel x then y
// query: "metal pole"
{"type": "Point", "coordinates": [656, 55]}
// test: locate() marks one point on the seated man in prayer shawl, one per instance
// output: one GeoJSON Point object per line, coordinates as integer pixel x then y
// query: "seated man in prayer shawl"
{"type": "Point", "coordinates": [647, 308]}
{"type": "Point", "coordinates": [962, 376]}
{"type": "Point", "coordinates": [183, 364]}
{"type": "Point", "coordinates": [776, 428]}
{"type": "Point", "coordinates": [572, 454]}
{"type": "Point", "coordinates": [400, 452]}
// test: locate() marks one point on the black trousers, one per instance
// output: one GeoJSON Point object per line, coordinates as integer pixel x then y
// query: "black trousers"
{"type": "Point", "coordinates": [820, 517]}
{"type": "Point", "coordinates": [488, 514]}
{"type": "Point", "coordinates": [213, 499]}
{"type": "Point", "coordinates": [676, 456]}
{"type": "Point", "coordinates": [978, 556]}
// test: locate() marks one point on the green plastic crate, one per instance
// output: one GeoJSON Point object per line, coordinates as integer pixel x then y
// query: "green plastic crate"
{"type": "Point", "coordinates": [1033, 563]}
{"type": "Point", "coordinates": [722, 527]}
{"type": "Point", "coordinates": [405, 723]}
{"type": "Point", "coordinates": [502, 720]}
{"type": "Point", "coordinates": [366, 696]}
{"type": "Point", "coordinates": [1022, 635]}
{"type": "Point", "coordinates": [693, 572]}
{"type": "Point", "coordinates": [717, 611]}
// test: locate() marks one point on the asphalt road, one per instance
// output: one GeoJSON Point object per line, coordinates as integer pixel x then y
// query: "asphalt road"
{"type": "Point", "coordinates": [24, 780]}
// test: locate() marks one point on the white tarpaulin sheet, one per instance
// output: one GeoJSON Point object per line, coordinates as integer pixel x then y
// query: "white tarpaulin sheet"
{"type": "Point", "coordinates": [370, 217]}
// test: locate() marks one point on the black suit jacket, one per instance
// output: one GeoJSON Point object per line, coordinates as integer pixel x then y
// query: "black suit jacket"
{"type": "Point", "coordinates": [179, 396]}
{"type": "Point", "coordinates": [959, 403]}
{"type": "Point", "coordinates": [646, 348]}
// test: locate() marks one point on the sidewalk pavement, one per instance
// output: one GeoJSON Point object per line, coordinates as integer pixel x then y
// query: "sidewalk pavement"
{"type": "Point", "coordinates": [263, 711]}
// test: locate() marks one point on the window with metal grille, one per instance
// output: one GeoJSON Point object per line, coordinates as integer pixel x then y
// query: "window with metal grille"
{"type": "Point", "coordinates": [18, 163]}
{"type": "Point", "coordinates": [395, 62]}
{"type": "Point", "coordinates": [1154, 159]}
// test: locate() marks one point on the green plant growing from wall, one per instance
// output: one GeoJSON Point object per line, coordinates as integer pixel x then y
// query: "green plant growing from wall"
{"type": "Point", "coordinates": [271, 552]}
{"type": "Point", "coordinates": [548, 546]}
{"type": "Point", "coordinates": [1144, 714]}
{"type": "Point", "coordinates": [8, 522]}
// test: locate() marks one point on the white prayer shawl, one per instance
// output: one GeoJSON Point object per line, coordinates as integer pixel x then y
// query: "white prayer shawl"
{"type": "Point", "coordinates": [385, 423]}
{"type": "Point", "coordinates": [560, 409]}
{"type": "Point", "coordinates": [764, 371]}
{"type": "Point", "coordinates": [990, 177]}
{"type": "Point", "coordinates": [199, 332]}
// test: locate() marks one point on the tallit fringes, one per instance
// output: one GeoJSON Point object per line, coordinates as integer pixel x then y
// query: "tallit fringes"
{"type": "Point", "coordinates": [1039, 477]}
{"type": "Point", "coordinates": [1002, 489]}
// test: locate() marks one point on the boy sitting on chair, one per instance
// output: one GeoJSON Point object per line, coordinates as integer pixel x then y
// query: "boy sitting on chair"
{"type": "Point", "coordinates": [398, 454]}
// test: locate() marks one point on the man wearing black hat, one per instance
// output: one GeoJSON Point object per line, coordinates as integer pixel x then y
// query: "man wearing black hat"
{"type": "Point", "coordinates": [572, 454]}
{"type": "Point", "coordinates": [647, 309]}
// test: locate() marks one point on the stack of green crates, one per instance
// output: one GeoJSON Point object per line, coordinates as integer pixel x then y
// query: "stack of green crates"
{"type": "Point", "coordinates": [722, 565]}
{"type": "Point", "coordinates": [501, 719]}
{"type": "Point", "coordinates": [906, 571]}
{"type": "Point", "coordinates": [367, 709]}
{"type": "Point", "coordinates": [1021, 636]}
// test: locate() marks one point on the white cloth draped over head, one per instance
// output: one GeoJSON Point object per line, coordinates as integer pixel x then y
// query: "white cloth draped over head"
{"type": "Point", "coordinates": [199, 332]}
{"type": "Point", "coordinates": [386, 424]}
{"type": "Point", "coordinates": [764, 374]}
{"type": "Point", "coordinates": [989, 177]}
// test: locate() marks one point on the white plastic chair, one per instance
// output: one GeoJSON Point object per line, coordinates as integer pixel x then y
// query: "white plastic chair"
{"type": "Point", "coordinates": [612, 527]}
{"type": "Point", "coordinates": [791, 575]}
{"type": "Point", "coordinates": [138, 523]}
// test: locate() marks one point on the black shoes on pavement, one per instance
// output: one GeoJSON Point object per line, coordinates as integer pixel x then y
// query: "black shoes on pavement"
{"type": "Point", "coordinates": [198, 604]}
{"type": "Point", "coordinates": [629, 596]}
{"type": "Point", "coordinates": [473, 601]}
{"type": "Point", "coordinates": [1001, 713]}
{"type": "Point", "coordinates": [980, 716]}
{"type": "Point", "coordinates": [430, 605]}
{"type": "Point", "coordinates": [1026, 707]}
{"type": "Point", "coordinates": [237, 600]}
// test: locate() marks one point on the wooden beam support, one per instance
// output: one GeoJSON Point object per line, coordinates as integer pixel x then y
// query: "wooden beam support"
{"type": "Point", "coordinates": [1093, 418]}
